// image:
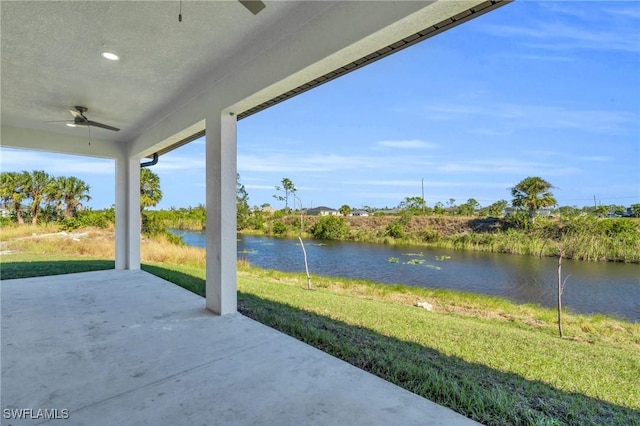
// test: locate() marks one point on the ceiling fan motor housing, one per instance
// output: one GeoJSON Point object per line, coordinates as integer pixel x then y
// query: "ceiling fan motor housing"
{"type": "Point", "coordinates": [80, 122]}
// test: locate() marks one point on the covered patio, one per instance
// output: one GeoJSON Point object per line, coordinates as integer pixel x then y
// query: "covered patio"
{"type": "Point", "coordinates": [126, 347]}
{"type": "Point", "coordinates": [123, 346]}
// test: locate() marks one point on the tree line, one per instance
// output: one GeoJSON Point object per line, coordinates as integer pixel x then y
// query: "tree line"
{"type": "Point", "coordinates": [530, 195]}
{"type": "Point", "coordinates": [32, 196]}
{"type": "Point", "coordinates": [29, 195]}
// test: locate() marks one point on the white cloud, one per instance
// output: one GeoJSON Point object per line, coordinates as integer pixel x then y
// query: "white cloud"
{"type": "Point", "coordinates": [632, 12]}
{"type": "Point", "coordinates": [407, 144]}
{"type": "Point", "coordinates": [545, 58]}
{"type": "Point", "coordinates": [270, 187]}
{"type": "Point", "coordinates": [56, 164]}
{"type": "Point", "coordinates": [546, 153]}
{"type": "Point", "coordinates": [598, 158]}
{"type": "Point", "coordinates": [568, 156]}
{"type": "Point", "coordinates": [319, 163]}
{"type": "Point", "coordinates": [427, 184]}
{"type": "Point", "coordinates": [512, 115]}
{"type": "Point", "coordinates": [506, 165]}
{"type": "Point", "coordinates": [403, 183]}
{"type": "Point", "coordinates": [561, 36]}
{"type": "Point", "coordinates": [171, 163]}
{"type": "Point", "coordinates": [490, 132]}
{"type": "Point", "coordinates": [252, 179]}
{"type": "Point", "coordinates": [559, 8]}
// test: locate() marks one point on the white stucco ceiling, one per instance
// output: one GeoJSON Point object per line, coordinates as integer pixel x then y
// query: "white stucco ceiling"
{"type": "Point", "coordinates": [51, 56]}
{"type": "Point", "coordinates": [169, 71]}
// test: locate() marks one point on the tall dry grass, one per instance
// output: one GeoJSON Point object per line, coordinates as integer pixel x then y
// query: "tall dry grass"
{"type": "Point", "coordinates": [11, 232]}
{"type": "Point", "coordinates": [95, 243]}
{"type": "Point", "coordinates": [159, 249]}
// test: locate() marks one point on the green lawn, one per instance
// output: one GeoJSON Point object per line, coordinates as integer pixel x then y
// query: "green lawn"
{"type": "Point", "coordinates": [489, 359]}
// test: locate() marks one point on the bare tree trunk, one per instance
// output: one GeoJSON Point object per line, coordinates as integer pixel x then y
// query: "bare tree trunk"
{"type": "Point", "coordinates": [560, 288]}
{"type": "Point", "coordinates": [306, 266]}
{"type": "Point", "coordinates": [304, 251]}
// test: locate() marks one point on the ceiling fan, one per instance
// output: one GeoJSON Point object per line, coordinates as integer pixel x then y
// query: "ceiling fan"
{"type": "Point", "coordinates": [254, 6]}
{"type": "Point", "coordinates": [80, 120]}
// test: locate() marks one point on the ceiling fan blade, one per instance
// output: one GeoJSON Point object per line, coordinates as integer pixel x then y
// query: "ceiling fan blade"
{"type": "Point", "coordinates": [254, 6]}
{"type": "Point", "coordinates": [70, 123]}
{"type": "Point", "coordinates": [102, 126]}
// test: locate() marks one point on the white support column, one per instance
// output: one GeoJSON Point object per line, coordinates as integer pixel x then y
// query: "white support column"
{"type": "Point", "coordinates": [127, 213]}
{"type": "Point", "coordinates": [221, 257]}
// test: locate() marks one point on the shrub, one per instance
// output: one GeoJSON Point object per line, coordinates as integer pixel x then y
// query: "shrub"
{"type": "Point", "coordinates": [173, 238]}
{"type": "Point", "coordinates": [256, 221]}
{"type": "Point", "coordinates": [153, 226]}
{"type": "Point", "coordinates": [279, 227]}
{"type": "Point", "coordinates": [88, 218]}
{"type": "Point", "coordinates": [329, 228]}
{"type": "Point", "coordinates": [429, 235]}
{"type": "Point", "coordinates": [520, 220]}
{"type": "Point", "coordinates": [618, 227]}
{"type": "Point", "coordinates": [395, 229]}
{"type": "Point", "coordinates": [96, 219]}
{"type": "Point", "coordinates": [70, 224]}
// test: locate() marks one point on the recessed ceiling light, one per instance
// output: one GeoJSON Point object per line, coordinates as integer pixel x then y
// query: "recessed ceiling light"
{"type": "Point", "coordinates": [71, 124]}
{"type": "Point", "coordinates": [110, 56]}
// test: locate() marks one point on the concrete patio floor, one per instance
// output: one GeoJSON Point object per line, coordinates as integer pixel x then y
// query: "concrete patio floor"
{"type": "Point", "coordinates": [126, 347]}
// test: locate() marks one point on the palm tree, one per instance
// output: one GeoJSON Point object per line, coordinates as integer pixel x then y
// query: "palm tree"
{"type": "Point", "coordinates": [533, 193]}
{"type": "Point", "coordinates": [12, 192]}
{"type": "Point", "coordinates": [345, 210]}
{"type": "Point", "coordinates": [150, 193]}
{"type": "Point", "coordinates": [69, 191]}
{"type": "Point", "coordinates": [37, 185]}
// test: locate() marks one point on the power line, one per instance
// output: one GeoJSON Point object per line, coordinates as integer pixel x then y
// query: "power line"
{"type": "Point", "coordinates": [600, 199]}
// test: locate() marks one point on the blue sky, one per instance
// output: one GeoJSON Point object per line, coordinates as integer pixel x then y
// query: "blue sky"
{"type": "Point", "coordinates": [549, 89]}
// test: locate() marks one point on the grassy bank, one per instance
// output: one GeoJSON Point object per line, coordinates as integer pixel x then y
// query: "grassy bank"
{"type": "Point", "coordinates": [487, 358]}
{"type": "Point", "coordinates": [582, 238]}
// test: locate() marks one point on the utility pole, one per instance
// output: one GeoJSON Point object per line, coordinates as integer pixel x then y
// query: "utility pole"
{"type": "Point", "coordinates": [423, 196]}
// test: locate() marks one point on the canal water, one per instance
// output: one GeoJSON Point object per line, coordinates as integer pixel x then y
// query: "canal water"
{"type": "Point", "coordinates": [591, 287]}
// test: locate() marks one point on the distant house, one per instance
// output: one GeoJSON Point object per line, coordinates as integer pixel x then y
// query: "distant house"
{"type": "Point", "coordinates": [323, 211]}
{"type": "Point", "coordinates": [361, 213]}
{"type": "Point", "coordinates": [510, 211]}
{"type": "Point", "coordinates": [544, 212]}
